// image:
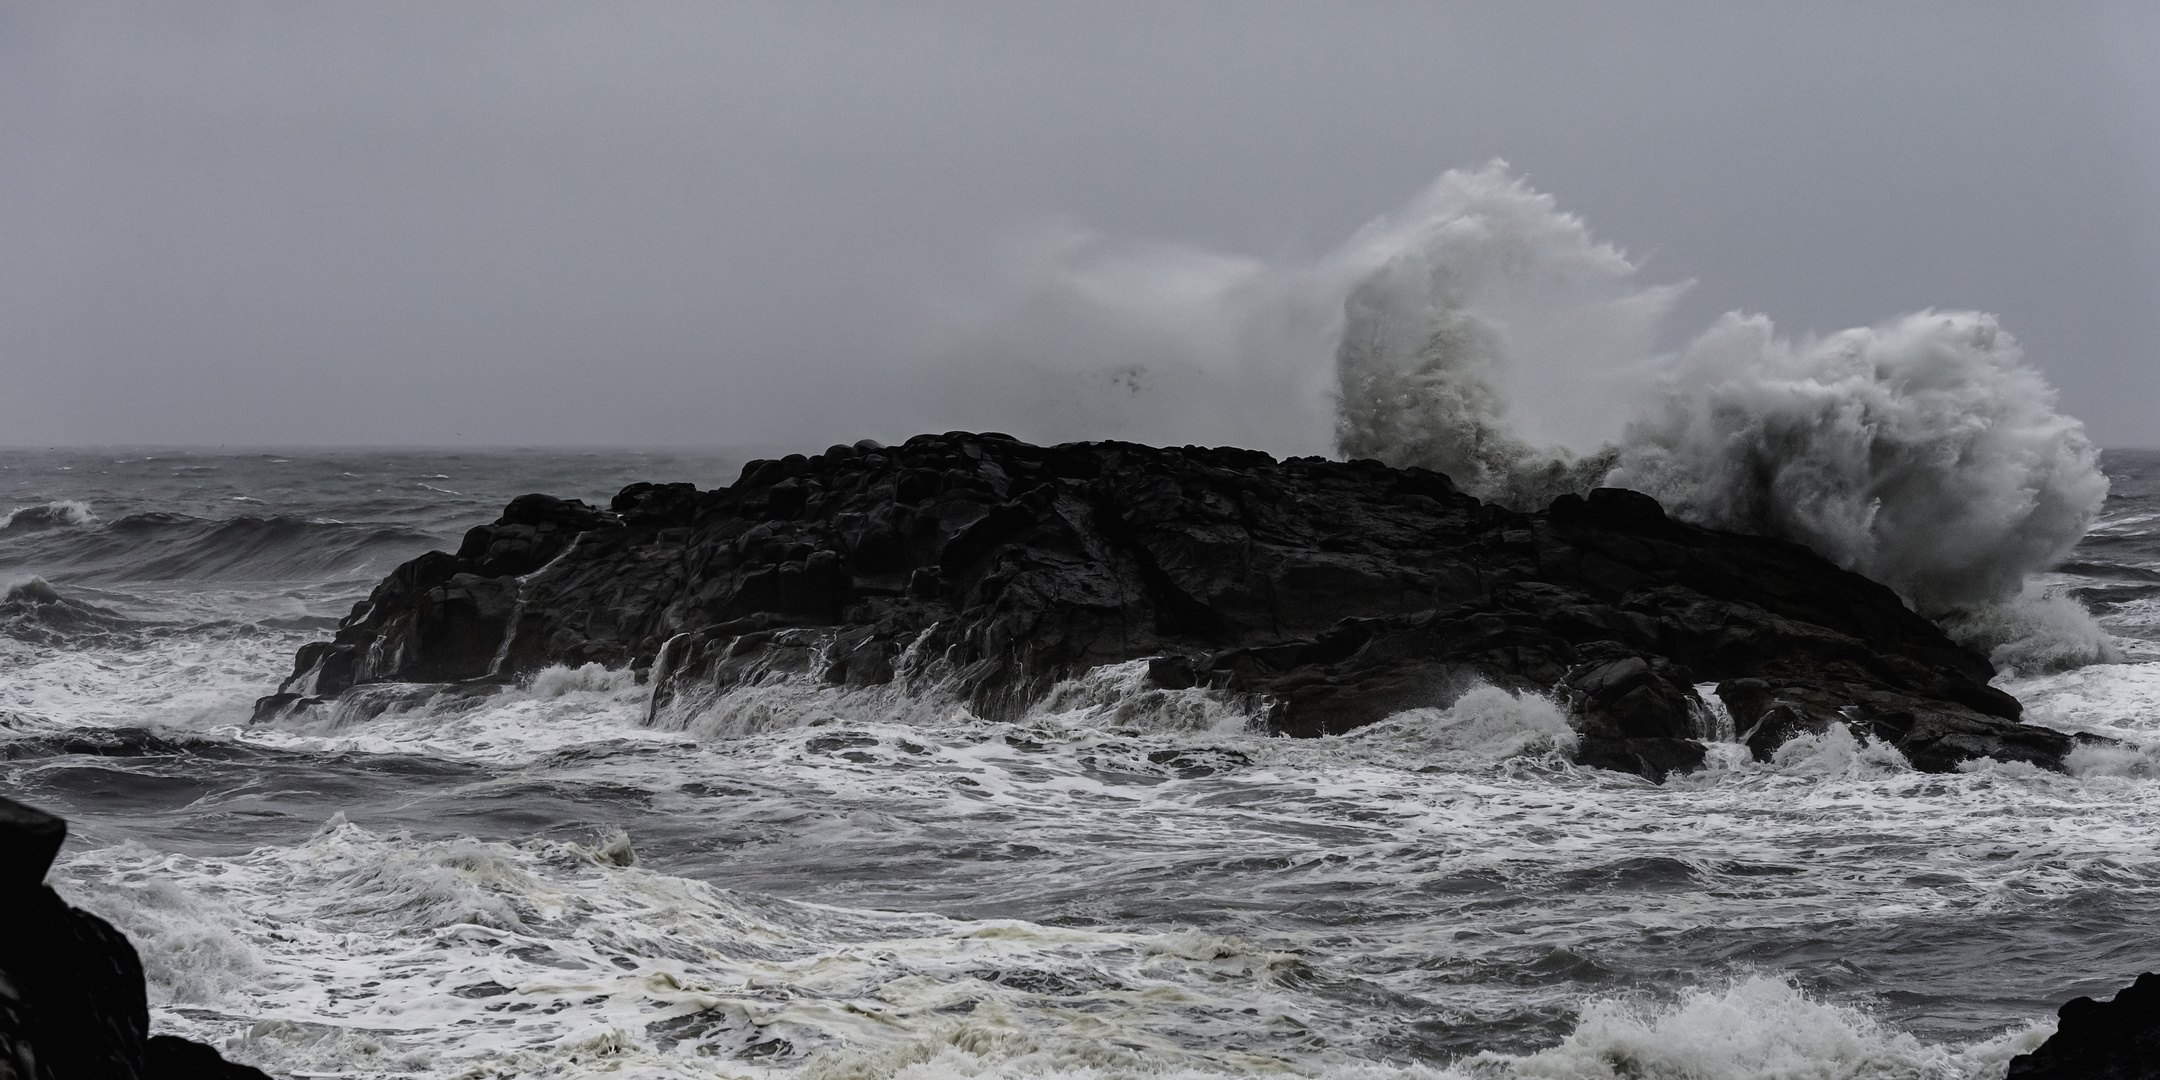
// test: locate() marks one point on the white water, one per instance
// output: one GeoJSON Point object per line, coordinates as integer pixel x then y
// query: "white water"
{"type": "Point", "coordinates": [1484, 333]}
{"type": "Point", "coordinates": [1345, 891]}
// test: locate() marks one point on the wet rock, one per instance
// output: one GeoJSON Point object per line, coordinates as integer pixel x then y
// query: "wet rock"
{"type": "Point", "coordinates": [659, 505]}
{"type": "Point", "coordinates": [1652, 758]}
{"type": "Point", "coordinates": [2117, 1039]}
{"type": "Point", "coordinates": [1336, 593]}
{"type": "Point", "coordinates": [170, 1057]}
{"type": "Point", "coordinates": [72, 1002]}
{"type": "Point", "coordinates": [279, 706]}
{"type": "Point", "coordinates": [29, 841]}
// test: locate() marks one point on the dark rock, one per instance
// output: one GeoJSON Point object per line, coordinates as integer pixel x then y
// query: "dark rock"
{"type": "Point", "coordinates": [169, 1057]}
{"type": "Point", "coordinates": [279, 706]}
{"type": "Point", "coordinates": [1173, 673]}
{"type": "Point", "coordinates": [660, 505]}
{"type": "Point", "coordinates": [2101, 1040]}
{"type": "Point", "coordinates": [72, 1003]}
{"type": "Point", "coordinates": [324, 669]}
{"type": "Point", "coordinates": [1653, 758]}
{"type": "Point", "coordinates": [29, 840]}
{"type": "Point", "coordinates": [1336, 593]}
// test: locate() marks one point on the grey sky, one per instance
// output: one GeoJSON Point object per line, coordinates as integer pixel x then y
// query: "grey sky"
{"type": "Point", "coordinates": [539, 223]}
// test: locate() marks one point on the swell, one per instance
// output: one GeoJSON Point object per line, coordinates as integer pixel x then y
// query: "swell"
{"type": "Point", "coordinates": [176, 547]}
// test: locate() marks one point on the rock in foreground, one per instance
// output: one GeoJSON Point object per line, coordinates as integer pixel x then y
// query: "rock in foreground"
{"type": "Point", "coordinates": [72, 1003]}
{"type": "Point", "coordinates": [2101, 1040]}
{"type": "Point", "coordinates": [1336, 593]}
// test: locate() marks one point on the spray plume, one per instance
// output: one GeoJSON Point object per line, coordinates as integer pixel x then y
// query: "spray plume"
{"type": "Point", "coordinates": [1483, 333]}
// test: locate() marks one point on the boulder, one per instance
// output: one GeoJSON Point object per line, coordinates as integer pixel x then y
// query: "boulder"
{"type": "Point", "coordinates": [2117, 1039]}
{"type": "Point", "coordinates": [1334, 593]}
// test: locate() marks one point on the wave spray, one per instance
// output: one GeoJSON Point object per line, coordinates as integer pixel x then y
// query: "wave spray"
{"type": "Point", "coordinates": [1483, 333]}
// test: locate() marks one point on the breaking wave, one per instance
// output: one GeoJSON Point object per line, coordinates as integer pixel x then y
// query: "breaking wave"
{"type": "Point", "coordinates": [1499, 343]}
{"type": "Point", "coordinates": [1757, 1028]}
{"type": "Point", "coordinates": [53, 515]}
{"type": "Point", "coordinates": [1924, 453]}
{"type": "Point", "coordinates": [1485, 724]}
{"type": "Point", "coordinates": [1483, 333]}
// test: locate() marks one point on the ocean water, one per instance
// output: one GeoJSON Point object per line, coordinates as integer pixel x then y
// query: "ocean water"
{"type": "Point", "coordinates": [1127, 883]}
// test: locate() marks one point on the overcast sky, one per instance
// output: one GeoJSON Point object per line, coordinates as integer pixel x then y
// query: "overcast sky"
{"type": "Point", "coordinates": [640, 224]}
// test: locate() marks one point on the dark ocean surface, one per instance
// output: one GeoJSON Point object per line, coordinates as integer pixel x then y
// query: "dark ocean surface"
{"type": "Point", "coordinates": [805, 882]}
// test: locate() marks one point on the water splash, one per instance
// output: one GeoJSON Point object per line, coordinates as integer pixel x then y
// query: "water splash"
{"type": "Point", "coordinates": [1924, 453]}
{"type": "Point", "coordinates": [1483, 333]}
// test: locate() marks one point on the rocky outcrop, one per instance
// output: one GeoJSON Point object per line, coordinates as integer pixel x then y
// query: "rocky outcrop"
{"type": "Point", "coordinates": [72, 1003]}
{"type": "Point", "coordinates": [1334, 593]}
{"type": "Point", "coordinates": [2101, 1040]}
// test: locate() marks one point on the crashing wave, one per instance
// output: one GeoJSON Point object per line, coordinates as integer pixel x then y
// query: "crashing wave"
{"type": "Point", "coordinates": [1498, 343]}
{"type": "Point", "coordinates": [1485, 724]}
{"type": "Point", "coordinates": [1923, 453]}
{"type": "Point", "coordinates": [63, 514]}
{"type": "Point", "coordinates": [1482, 333]}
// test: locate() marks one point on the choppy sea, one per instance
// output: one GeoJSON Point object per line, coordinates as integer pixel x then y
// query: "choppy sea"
{"type": "Point", "coordinates": [1127, 883]}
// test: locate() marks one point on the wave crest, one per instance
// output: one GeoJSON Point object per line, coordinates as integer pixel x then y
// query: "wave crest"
{"type": "Point", "coordinates": [61, 514]}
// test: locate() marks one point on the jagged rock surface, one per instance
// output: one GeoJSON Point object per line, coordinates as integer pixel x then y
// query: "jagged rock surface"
{"type": "Point", "coordinates": [2101, 1040]}
{"type": "Point", "coordinates": [1335, 592]}
{"type": "Point", "coordinates": [72, 1003]}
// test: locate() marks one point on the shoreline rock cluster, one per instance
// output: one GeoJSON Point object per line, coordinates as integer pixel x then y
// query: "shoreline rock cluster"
{"type": "Point", "coordinates": [1333, 593]}
{"type": "Point", "coordinates": [72, 1000]}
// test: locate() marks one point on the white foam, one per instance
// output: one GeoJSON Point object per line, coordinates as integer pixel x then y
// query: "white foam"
{"type": "Point", "coordinates": [203, 679]}
{"type": "Point", "coordinates": [1123, 696]}
{"type": "Point", "coordinates": [786, 703]}
{"type": "Point", "coordinates": [462, 958]}
{"type": "Point", "coordinates": [1486, 724]}
{"type": "Point", "coordinates": [556, 709]}
{"type": "Point", "coordinates": [557, 680]}
{"type": "Point", "coordinates": [192, 942]}
{"type": "Point", "coordinates": [1836, 752]}
{"type": "Point", "coordinates": [2040, 630]}
{"type": "Point", "coordinates": [348, 953]}
{"type": "Point", "coordinates": [2119, 700]}
{"type": "Point", "coordinates": [371, 954]}
{"type": "Point", "coordinates": [1757, 1029]}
